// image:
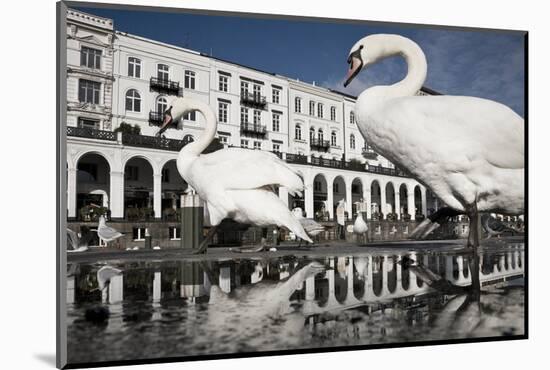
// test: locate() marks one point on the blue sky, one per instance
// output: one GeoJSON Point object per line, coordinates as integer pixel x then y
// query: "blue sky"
{"type": "Point", "coordinates": [485, 64]}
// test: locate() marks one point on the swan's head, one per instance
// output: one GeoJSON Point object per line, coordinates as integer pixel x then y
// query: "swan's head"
{"type": "Point", "coordinates": [177, 108]}
{"type": "Point", "coordinates": [365, 52]}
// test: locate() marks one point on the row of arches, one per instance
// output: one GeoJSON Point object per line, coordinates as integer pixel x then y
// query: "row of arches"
{"type": "Point", "coordinates": [384, 199]}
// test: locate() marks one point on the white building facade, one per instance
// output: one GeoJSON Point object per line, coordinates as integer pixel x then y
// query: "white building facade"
{"type": "Point", "coordinates": [119, 85]}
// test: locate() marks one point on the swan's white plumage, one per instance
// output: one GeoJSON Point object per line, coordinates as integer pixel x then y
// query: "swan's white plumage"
{"type": "Point", "coordinates": [463, 148]}
{"type": "Point", "coordinates": [360, 226]}
{"type": "Point", "coordinates": [237, 183]}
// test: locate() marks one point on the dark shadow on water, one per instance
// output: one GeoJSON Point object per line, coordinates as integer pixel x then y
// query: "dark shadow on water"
{"type": "Point", "coordinates": [47, 358]}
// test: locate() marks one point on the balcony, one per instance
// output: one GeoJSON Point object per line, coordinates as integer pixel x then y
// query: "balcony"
{"type": "Point", "coordinates": [296, 158]}
{"type": "Point", "coordinates": [253, 129]}
{"type": "Point", "coordinates": [152, 142]}
{"type": "Point", "coordinates": [369, 153]}
{"type": "Point", "coordinates": [320, 145]}
{"type": "Point", "coordinates": [165, 86]}
{"type": "Point", "coordinates": [91, 133]}
{"type": "Point", "coordinates": [156, 118]}
{"type": "Point", "coordinates": [253, 100]}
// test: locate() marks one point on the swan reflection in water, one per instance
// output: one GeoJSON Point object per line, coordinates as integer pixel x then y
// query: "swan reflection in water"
{"type": "Point", "coordinates": [185, 308]}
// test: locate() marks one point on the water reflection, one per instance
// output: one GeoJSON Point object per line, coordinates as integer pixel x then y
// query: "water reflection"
{"type": "Point", "coordinates": [180, 308]}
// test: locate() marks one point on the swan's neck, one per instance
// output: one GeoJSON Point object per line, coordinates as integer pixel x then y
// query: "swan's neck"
{"type": "Point", "coordinates": [194, 149]}
{"type": "Point", "coordinates": [416, 73]}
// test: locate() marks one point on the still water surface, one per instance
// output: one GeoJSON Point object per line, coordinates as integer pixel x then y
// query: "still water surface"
{"type": "Point", "coordinates": [157, 309]}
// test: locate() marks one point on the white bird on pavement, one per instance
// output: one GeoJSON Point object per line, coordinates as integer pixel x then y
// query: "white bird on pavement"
{"type": "Point", "coordinates": [106, 233]}
{"type": "Point", "coordinates": [235, 183]}
{"type": "Point", "coordinates": [469, 151]}
{"type": "Point", "coordinates": [312, 227]}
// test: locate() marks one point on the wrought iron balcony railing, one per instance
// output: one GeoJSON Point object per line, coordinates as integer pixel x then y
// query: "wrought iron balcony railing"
{"type": "Point", "coordinates": [152, 142]}
{"type": "Point", "coordinates": [296, 158]}
{"type": "Point", "coordinates": [91, 133]}
{"type": "Point", "coordinates": [317, 144]}
{"type": "Point", "coordinates": [253, 99]}
{"type": "Point", "coordinates": [156, 118]}
{"type": "Point", "coordinates": [165, 86]}
{"type": "Point", "coordinates": [369, 153]}
{"type": "Point", "coordinates": [253, 129]}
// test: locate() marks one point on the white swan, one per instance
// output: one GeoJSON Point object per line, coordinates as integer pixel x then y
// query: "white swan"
{"type": "Point", "coordinates": [468, 151]}
{"type": "Point", "coordinates": [235, 183]}
{"type": "Point", "coordinates": [360, 227]}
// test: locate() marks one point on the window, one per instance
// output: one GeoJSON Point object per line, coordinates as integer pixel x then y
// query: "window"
{"type": "Point", "coordinates": [258, 145]}
{"type": "Point", "coordinates": [223, 84]}
{"type": "Point", "coordinates": [190, 116]}
{"type": "Point", "coordinates": [189, 80]}
{"type": "Point", "coordinates": [297, 105]}
{"type": "Point", "coordinates": [335, 187]}
{"type": "Point", "coordinates": [163, 72]}
{"type": "Point", "coordinates": [222, 112]}
{"type": "Point", "coordinates": [133, 101]}
{"type": "Point", "coordinates": [276, 122]}
{"type": "Point", "coordinates": [244, 143]}
{"type": "Point", "coordinates": [188, 139]}
{"type": "Point", "coordinates": [224, 139]}
{"type": "Point", "coordinates": [162, 104]}
{"type": "Point", "coordinates": [311, 108]}
{"type": "Point", "coordinates": [276, 147]}
{"type": "Point", "coordinates": [165, 175]}
{"type": "Point", "coordinates": [276, 95]}
{"type": "Point", "coordinates": [320, 110]}
{"type": "Point", "coordinates": [131, 173]}
{"type": "Point", "coordinates": [311, 134]}
{"type": "Point", "coordinates": [298, 132]}
{"type": "Point", "coordinates": [257, 117]}
{"type": "Point", "coordinates": [244, 115]}
{"type": "Point", "coordinates": [320, 136]}
{"type": "Point", "coordinates": [333, 138]}
{"type": "Point", "coordinates": [257, 91]}
{"type": "Point", "coordinates": [352, 141]}
{"type": "Point", "coordinates": [88, 91]}
{"type": "Point", "coordinates": [317, 186]}
{"type": "Point", "coordinates": [333, 113]}
{"type": "Point", "coordinates": [174, 233]}
{"type": "Point", "coordinates": [244, 88]}
{"type": "Point", "coordinates": [134, 67]}
{"type": "Point", "coordinates": [90, 169]}
{"type": "Point", "coordinates": [351, 117]}
{"type": "Point", "coordinates": [88, 123]}
{"type": "Point", "coordinates": [90, 58]}
{"type": "Point", "coordinates": [138, 233]}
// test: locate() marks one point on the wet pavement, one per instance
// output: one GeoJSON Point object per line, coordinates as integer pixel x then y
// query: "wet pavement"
{"type": "Point", "coordinates": [163, 305]}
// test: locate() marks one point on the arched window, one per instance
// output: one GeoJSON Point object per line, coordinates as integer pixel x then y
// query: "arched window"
{"type": "Point", "coordinates": [333, 138]}
{"type": "Point", "coordinates": [298, 132]}
{"type": "Point", "coordinates": [312, 134]}
{"type": "Point", "coordinates": [134, 67]}
{"type": "Point", "coordinates": [352, 141]}
{"type": "Point", "coordinates": [133, 101]}
{"type": "Point", "coordinates": [162, 104]}
{"type": "Point", "coordinates": [320, 135]}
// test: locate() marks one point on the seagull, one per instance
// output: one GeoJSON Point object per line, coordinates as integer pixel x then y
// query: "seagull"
{"type": "Point", "coordinates": [312, 227]}
{"type": "Point", "coordinates": [106, 233]}
{"type": "Point", "coordinates": [74, 241]}
{"type": "Point", "coordinates": [104, 276]}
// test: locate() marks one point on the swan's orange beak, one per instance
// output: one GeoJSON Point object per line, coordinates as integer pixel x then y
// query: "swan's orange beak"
{"type": "Point", "coordinates": [355, 65]}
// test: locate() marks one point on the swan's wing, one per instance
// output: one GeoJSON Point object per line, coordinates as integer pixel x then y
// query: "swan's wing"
{"type": "Point", "coordinates": [237, 168]}
{"type": "Point", "coordinates": [454, 131]}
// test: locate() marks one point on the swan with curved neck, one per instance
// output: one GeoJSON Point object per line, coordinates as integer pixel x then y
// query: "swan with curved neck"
{"type": "Point", "coordinates": [235, 183]}
{"type": "Point", "coordinates": [469, 151]}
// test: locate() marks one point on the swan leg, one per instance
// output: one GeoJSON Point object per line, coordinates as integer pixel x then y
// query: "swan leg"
{"type": "Point", "coordinates": [203, 246]}
{"type": "Point", "coordinates": [474, 227]}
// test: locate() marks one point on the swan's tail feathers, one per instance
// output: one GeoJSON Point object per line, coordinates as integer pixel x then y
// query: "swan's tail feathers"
{"type": "Point", "coordinates": [294, 225]}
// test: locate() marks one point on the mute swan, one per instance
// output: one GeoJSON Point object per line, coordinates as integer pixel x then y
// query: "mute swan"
{"type": "Point", "coordinates": [468, 151]}
{"type": "Point", "coordinates": [235, 183]}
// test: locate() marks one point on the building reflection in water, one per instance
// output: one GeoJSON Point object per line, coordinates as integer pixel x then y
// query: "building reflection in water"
{"type": "Point", "coordinates": [332, 296]}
